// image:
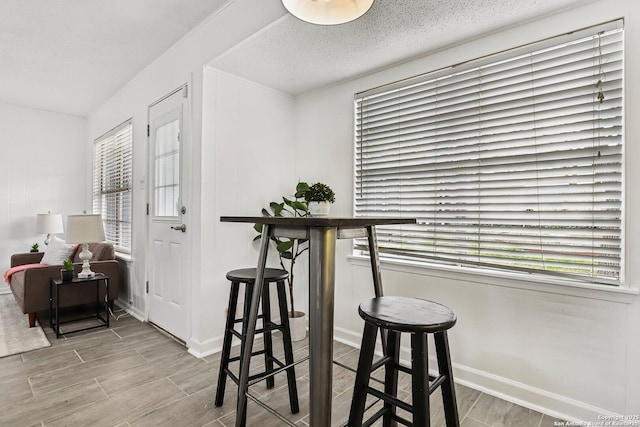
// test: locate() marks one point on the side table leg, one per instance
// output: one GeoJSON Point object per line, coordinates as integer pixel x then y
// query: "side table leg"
{"type": "Point", "coordinates": [97, 282]}
{"type": "Point", "coordinates": [51, 305]}
{"type": "Point", "coordinates": [106, 301]}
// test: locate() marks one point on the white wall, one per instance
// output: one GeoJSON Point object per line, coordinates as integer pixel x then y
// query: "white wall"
{"type": "Point", "coordinates": [43, 170]}
{"type": "Point", "coordinates": [247, 156]}
{"type": "Point", "coordinates": [561, 350]}
{"type": "Point", "coordinates": [181, 64]}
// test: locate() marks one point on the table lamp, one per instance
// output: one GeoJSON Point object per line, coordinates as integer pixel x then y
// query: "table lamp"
{"type": "Point", "coordinates": [85, 229]}
{"type": "Point", "coordinates": [49, 224]}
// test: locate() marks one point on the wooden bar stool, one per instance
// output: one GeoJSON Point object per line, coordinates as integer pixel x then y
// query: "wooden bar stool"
{"type": "Point", "coordinates": [247, 276]}
{"type": "Point", "coordinates": [419, 318]}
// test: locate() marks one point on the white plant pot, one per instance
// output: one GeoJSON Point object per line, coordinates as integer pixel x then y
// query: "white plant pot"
{"type": "Point", "coordinates": [298, 326]}
{"type": "Point", "coordinates": [319, 208]}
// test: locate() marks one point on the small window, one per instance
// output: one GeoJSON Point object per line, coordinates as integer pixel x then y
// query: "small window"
{"type": "Point", "coordinates": [512, 162]}
{"type": "Point", "coordinates": [112, 184]}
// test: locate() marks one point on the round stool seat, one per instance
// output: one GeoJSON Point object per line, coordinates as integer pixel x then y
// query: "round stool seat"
{"type": "Point", "coordinates": [405, 314]}
{"type": "Point", "coordinates": [392, 316]}
{"type": "Point", "coordinates": [248, 275]}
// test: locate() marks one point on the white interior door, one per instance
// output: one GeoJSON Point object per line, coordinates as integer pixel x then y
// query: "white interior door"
{"type": "Point", "coordinates": [169, 272]}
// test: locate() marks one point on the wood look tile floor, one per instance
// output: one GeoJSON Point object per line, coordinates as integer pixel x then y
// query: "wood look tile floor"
{"type": "Point", "coordinates": [134, 375]}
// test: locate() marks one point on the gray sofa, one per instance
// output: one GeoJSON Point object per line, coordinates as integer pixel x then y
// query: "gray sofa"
{"type": "Point", "coordinates": [30, 287]}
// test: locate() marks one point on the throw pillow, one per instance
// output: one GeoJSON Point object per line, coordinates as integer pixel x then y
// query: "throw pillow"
{"type": "Point", "coordinates": [57, 251]}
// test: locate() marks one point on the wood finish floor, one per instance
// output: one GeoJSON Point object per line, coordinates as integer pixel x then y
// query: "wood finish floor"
{"type": "Point", "coordinates": [133, 375]}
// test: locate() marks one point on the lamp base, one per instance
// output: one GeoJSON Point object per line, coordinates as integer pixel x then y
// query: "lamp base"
{"type": "Point", "coordinates": [85, 256]}
{"type": "Point", "coordinates": [83, 275]}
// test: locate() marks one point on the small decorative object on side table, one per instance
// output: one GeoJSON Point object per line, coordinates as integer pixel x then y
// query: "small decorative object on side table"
{"type": "Point", "coordinates": [66, 273]}
{"type": "Point", "coordinates": [58, 284]}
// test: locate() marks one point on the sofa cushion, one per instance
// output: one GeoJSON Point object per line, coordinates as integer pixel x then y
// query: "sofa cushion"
{"type": "Point", "coordinates": [57, 252]}
{"type": "Point", "coordinates": [99, 252]}
{"type": "Point", "coordinates": [17, 287]}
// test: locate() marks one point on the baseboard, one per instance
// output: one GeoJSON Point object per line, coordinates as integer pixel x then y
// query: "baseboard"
{"type": "Point", "coordinates": [534, 398]}
{"type": "Point", "coordinates": [4, 289]}
{"type": "Point", "coordinates": [131, 310]}
{"type": "Point", "coordinates": [347, 337]}
{"type": "Point", "coordinates": [204, 348]}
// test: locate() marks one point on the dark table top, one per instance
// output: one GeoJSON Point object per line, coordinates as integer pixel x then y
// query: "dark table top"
{"type": "Point", "coordinates": [76, 279]}
{"type": "Point", "coordinates": [340, 222]}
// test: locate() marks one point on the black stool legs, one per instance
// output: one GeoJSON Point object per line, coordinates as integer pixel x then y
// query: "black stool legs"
{"type": "Point", "coordinates": [391, 376]}
{"type": "Point", "coordinates": [418, 318]}
{"type": "Point", "coordinates": [362, 375]}
{"type": "Point", "coordinates": [420, 380]}
{"type": "Point", "coordinates": [226, 343]}
{"type": "Point", "coordinates": [448, 390]}
{"type": "Point", "coordinates": [288, 351]}
{"type": "Point", "coordinates": [266, 337]}
{"type": "Point", "coordinates": [246, 276]}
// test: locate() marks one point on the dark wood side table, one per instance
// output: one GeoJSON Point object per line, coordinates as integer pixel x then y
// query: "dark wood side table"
{"type": "Point", "coordinates": [57, 284]}
{"type": "Point", "coordinates": [322, 234]}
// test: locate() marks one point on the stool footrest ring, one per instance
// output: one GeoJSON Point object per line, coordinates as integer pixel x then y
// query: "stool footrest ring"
{"type": "Point", "coordinates": [255, 353]}
{"type": "Point", "coordinates": [436, 383]}
{"type": "Point", "coordinates": [277, 371]}
{"type": "Point", "coordinates": [389, 399]}
{"type": "Point", "coordinates": [269, 409]}
{"type": "Point", "coordinates": [382, 412]}
{"type": "Point", "coordinates": [240, 319]}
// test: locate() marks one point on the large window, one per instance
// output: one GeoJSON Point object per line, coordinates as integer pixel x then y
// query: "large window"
{"type": "Point", "coordinates": [510, 162]}
{"type": "Point", "coordinates": [112, 184]}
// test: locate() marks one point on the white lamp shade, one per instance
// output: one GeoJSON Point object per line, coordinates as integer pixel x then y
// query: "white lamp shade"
{"type": "Point", "coordinates": [327, 12]}
{"type": "Point", "coordinates": [85, 229]}
{"type": "Point", "coordinates": [49, 224]}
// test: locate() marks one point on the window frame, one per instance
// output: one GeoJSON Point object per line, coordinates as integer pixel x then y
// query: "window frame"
{"type": "Point", "coordinates": [124, 155]}
{"type": "Point", "coordinates": [483, 269]}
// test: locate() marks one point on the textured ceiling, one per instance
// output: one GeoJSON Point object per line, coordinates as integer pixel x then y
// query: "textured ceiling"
{"type": "Point", "coordinates": [70, 55]}
{"type": "Point", "coordinates": [296, 57]}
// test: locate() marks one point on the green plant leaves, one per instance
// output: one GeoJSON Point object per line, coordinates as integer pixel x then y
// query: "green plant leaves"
{"type": "Point", "coordinates": [319, 192]}
{"type": "Point", "coordinates": [294, 208]}
{"type": "Point", "coordinates": [301, 206]}
{"type": "Point", "coordinates": [301, 188]}
{"type": "Point", "coordinates": [285, 246]}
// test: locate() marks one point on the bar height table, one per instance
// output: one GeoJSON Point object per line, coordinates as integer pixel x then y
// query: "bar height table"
{"type": "Point", "coordinates": [322, 234]}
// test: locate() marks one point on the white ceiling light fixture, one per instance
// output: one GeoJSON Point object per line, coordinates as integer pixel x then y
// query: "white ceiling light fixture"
{"type": "Point", "coordinates": [327, 12]}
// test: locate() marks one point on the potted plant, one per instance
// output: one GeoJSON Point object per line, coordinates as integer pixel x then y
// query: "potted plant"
{"type": "Point", "coordinates": [319, 197]}
{"type": "Point", "coordinates": [34, 247]}
{"type": "Point", "coordinates": [67, 270]}
{"type": "Point", "coordinates": [289, 250]}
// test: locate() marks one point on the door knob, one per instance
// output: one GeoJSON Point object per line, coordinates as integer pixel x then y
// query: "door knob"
{"type": "Point", "coordinates": [181, 227]}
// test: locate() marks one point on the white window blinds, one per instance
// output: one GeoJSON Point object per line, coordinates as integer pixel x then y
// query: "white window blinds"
{"type": "Point", "coordinates": [510, 162]}
{"type": "Point", "coordinates": [112, 184]}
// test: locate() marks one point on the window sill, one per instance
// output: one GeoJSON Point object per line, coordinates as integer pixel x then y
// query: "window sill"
{"type": "Point", "coordinates": [124, 257]}
{"type": "Point", "coordinates": [552, 285]}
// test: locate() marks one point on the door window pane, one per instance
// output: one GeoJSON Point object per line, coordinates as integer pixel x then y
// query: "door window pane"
{"type": "Point", "coordinates": [167, 169]}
